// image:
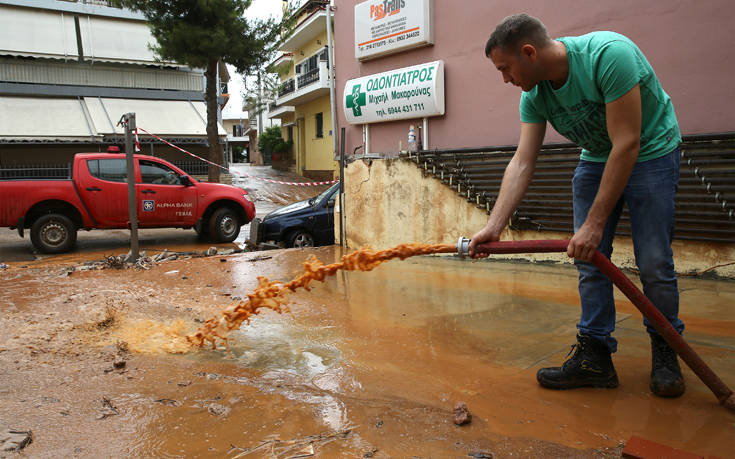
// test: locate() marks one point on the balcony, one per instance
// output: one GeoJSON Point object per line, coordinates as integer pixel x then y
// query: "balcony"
{"type": "Point", "coordinates": [279, 111]}
{"type": "Point", "coordinates": [305, 87]}
{"type": "Point", "coordinates": [306, 31]}
{"type": "Point", "coordinates": [287, 87]}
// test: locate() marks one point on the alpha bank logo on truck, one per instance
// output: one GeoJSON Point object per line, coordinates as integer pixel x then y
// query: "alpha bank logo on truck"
{"type": "Point", "coordinates": [410, 92]}
{"type": "Point", "coordinates": [386, 8]}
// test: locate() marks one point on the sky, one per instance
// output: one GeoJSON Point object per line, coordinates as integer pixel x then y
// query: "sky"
{"type": "Point", "coordinates": [261, 9]}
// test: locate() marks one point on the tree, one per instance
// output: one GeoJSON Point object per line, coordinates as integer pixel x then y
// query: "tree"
{"type": "Point", "coordinates": [200, 34]}
{"type": "Point", "coordinates": [271, 141]}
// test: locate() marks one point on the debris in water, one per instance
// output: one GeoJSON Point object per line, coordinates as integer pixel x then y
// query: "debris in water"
{"type": "Point", "coordinates": [108, 409]}
{"type": "Point", "coordinates": [111, 316]}
{"type": "Point", "coordinates": [168, 401]}
{"type": "Point", "coordinates": [119, 363]}
{"type": "Point", "coordinates": [462, 414]}
{"type": "Point", "coordinates": [218, 409]}
{"type": "Point", "coordinates": [298, 447]}
{"type": "Point", "coordinates": [14, 439]}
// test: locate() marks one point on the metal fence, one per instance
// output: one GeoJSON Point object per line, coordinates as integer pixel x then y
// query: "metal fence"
{"type": "Point", "coordinates": [193, 167]}
{"type": "Point", "coordinates": [36, 172]}
{"type": "Point", "coordinates": [309, 77]}
{"type": "Point", "coordinates": [705, 202]}
{"type": "Point", "coordinates": [286, 87]}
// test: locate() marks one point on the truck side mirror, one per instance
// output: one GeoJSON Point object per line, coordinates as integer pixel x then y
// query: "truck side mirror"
{"type": "Point", "coordinates": [185, 180]}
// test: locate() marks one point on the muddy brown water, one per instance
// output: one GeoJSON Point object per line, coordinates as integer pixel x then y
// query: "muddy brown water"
{"type": "Point", "coordinates": [364, 363]}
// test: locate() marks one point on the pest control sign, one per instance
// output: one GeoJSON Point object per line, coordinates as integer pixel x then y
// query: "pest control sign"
{"type": "Point", "coordinates": [410, 92]}
{"type": "Point", "coordinates": [390, 26]}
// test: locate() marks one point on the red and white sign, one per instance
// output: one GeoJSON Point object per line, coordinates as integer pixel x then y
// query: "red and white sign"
{"type": "Point", "coordinates": [391, 26]}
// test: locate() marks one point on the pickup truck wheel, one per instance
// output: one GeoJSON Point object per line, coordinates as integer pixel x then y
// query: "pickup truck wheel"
{"type": "Point", "coordinates": [223, 225]}
{"type": "Point", "coordinates": [300, 239]}
{"type": "Point", "coordinates": [53, 233]}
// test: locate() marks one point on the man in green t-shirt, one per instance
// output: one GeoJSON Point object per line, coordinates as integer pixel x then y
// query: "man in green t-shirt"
{"type": "Point", "coordinates": [599, 91]}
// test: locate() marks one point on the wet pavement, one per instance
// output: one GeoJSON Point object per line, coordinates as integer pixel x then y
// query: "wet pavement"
{"type": "Point", "coordinates": [367, 364]}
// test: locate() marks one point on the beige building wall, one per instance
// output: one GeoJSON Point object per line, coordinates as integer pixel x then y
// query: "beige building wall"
{"type": "Point", "coordinates": [318, 150]}
{"type": "Point", "coordinates": [390, 202]}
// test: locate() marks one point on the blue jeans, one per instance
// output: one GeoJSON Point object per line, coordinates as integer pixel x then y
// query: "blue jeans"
{"type": "Point", "coordinates": [649, 194]}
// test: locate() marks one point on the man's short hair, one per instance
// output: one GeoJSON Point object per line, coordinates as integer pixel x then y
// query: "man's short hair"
{"type": "Point", "coordinates": [515, 31]}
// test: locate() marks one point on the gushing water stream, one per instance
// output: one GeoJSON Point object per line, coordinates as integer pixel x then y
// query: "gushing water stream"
{"type": "Point", "coordinates": [274, 295]}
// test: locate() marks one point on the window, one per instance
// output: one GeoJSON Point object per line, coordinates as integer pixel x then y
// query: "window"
{"type": "Point", "coordinates": [112, 170]}
{"type": "Point", "coordinates": [290, 134]}
{"type": "Point", "coordinates": [319, 125]}
{"type": "Point", "coordinates": [158, 174]}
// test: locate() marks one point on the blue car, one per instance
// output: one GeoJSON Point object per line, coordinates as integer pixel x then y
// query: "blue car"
{"type": "Point", "coordinates": [307, 223]}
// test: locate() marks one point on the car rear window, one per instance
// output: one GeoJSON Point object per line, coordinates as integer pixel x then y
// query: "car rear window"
{"type": "Point", "coordinates": [112, 170]}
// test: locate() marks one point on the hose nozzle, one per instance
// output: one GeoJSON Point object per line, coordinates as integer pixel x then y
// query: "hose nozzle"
{"type": "Point", "coordinates": [463, 247]}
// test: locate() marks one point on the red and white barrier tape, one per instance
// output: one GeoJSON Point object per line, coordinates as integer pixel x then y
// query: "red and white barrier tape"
{"type": "Point", "coordinates": [240, 174]}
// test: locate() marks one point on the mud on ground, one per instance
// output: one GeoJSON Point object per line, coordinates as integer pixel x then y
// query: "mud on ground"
{"type": "Point", "coordinates": [365, 365]}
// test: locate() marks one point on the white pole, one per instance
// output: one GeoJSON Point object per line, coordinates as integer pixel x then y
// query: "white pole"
{"type": "Point", "coordinates": [330, 76]}
{"type": "Point", "coordinates": [425, 139]}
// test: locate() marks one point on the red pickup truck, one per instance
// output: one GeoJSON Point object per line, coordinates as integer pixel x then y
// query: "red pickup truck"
{"type": "Point", "coordinates": [95, 196]}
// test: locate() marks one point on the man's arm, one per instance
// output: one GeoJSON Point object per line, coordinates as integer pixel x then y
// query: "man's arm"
{"type": "Point", "coordinates": [516, 179]}
{"type": "Point", "coordinates": [624, 129]}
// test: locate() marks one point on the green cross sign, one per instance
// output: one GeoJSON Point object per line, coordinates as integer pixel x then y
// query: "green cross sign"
{"type": "Point", "coordinates": [356, 100]}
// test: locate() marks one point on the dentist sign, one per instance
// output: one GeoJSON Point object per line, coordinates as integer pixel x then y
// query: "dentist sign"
{"type": "Point", "coordinates": [409, 92]}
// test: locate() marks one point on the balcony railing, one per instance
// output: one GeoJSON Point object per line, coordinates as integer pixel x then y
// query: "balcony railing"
{"type": "Point", "coordinates": [309, 77]}
{"type": "Point", "coordinates": [287, 87]}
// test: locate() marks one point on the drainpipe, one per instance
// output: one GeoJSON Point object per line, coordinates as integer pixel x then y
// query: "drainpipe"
{"type": "Point", "coordinates": [425, 139]}
{"type": "Point", "coordinates": [331, 76]}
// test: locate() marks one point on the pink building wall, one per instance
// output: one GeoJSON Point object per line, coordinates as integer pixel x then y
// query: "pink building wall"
{"type": "Point", "coordinates": [690, 45]}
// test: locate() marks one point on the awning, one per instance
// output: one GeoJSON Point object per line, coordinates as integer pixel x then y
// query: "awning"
{"type": "Point", "coordinates": [36, 32]}
{"type": "Point", "coordinates": [178, 118]}
{"type": "Point", "coordinates": [88, 119]}
{"type": "Point", "coordinates": [33, 118]}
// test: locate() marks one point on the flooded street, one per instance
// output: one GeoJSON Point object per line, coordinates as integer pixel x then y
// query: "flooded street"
{"type": "Point", "coordinates": [365, 363]}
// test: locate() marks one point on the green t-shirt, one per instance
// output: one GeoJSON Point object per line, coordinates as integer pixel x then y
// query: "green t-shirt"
{"type": "Point", "coordinates": [603, 66]}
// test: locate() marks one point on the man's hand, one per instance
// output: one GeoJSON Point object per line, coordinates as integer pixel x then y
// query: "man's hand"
{"type": "Point", "coordinates": [486, 234]}
{"type": "Point", "coordinates": [584, 243]}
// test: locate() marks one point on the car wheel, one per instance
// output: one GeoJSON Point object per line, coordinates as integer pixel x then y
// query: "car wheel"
{"type": "Point", "coordinates": [223, 225]}
{"type": "Point", "coordinates": [53, 233]}
{"type": "Point", "coordinates": [301, 239]}
{"type": "Point", "coordinates": [201, 232]}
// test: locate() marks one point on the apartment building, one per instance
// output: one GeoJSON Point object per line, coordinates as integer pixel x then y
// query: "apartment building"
{"type": "Point", "coordinates": [68, 72]}
{"type": "Point", "coordinates": [303, 103]}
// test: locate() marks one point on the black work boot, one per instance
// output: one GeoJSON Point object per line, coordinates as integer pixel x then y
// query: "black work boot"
{"type": "Point", "coordinates": [666, 378]}
{"type": "Point", "coordinates": [589, 366]}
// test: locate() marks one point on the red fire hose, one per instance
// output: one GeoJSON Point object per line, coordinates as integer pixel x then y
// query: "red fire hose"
{"type": "Point", "coordinates": [663, 327]}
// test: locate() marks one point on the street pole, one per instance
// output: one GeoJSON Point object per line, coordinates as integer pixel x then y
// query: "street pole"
{"type": "Point", "coordinates": [342, 238]}
{"type": "Point", "coordinates": [132, 207]}
{"type": "Point", "coordinates": [330, 76]}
